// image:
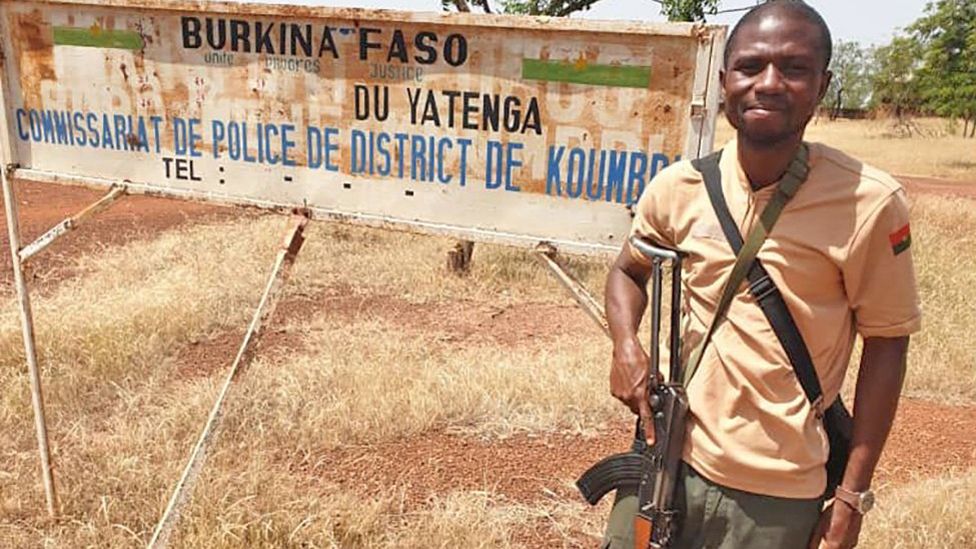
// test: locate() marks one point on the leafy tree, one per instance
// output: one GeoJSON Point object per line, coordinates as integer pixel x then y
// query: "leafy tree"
{"type": "Point", "coordinates": [688, 10]}
{"type": "Point", "coordinates": [850, 87]}
{"type": "Point", "coordinates": [947, 76]}
{"type": "Point", "coordinates": [894, 84]}
{"type": "Point", "coordinates": [555, 8]}
{"type": "Point", "coordinates": [674, 10]}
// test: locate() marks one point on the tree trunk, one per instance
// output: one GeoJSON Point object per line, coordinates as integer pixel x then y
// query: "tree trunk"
{"type": "Point", "coordinates": [965, 126]}
{"type": "Point", "coordinates": [459, 258]}
{"type": "Point", "coordinates": [972, 129]}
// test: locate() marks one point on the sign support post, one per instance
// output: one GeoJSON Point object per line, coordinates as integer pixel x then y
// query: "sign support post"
{"type": "Point", "coordinates": [183, 490]}
{"type": "Point", "coordinates": [30, 349]}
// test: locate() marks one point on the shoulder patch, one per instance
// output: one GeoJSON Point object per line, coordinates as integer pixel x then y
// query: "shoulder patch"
{"type": "Point", "coordinates": [901, 239]}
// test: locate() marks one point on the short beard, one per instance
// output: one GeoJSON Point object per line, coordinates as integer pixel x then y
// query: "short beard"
{"type": "Point", "coordinates": [765, 140]}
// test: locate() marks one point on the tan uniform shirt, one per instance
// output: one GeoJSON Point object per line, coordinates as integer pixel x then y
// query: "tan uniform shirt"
{"type": "Point", "coordinates": [840, 256]}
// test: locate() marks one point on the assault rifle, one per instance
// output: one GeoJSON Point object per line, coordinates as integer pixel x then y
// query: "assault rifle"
{"type": "Point", "coordinates": [652, 468]}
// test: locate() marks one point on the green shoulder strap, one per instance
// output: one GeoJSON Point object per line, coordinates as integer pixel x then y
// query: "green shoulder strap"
{"type": "Point", "coordinates": [789, 184]}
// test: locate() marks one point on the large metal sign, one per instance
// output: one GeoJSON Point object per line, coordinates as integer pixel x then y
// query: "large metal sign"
{"type": "Point", "coordinates": [507, 129]}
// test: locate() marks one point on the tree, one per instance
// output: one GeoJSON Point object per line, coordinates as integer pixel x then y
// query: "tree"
{"type": "Point", "coordinates": [850, 88]}
{"type": "Point", "coordinates": [688, 10]}
{"type": "Point", "coordinates": [947, 76]}
{"type": "Point", "coordinates": [553, 8]}
{"type": "Point", "coordinates": [674, 10]}
{"type": "Point", "coordinates": [894, 85]}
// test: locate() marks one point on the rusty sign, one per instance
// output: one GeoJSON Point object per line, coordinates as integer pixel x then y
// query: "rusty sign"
{"type": "Point", "coordinates": [509, 129]}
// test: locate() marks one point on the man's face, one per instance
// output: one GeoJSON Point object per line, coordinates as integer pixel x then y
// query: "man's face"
{"type": "Point", "coordinates": [774, 79]}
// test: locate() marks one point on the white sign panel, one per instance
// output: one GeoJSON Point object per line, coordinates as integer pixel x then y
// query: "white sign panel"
{"type": "Point", "coordinates": [508, 129]}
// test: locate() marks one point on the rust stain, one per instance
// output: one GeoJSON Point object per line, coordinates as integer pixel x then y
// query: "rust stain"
{"type": "Point", "coordinates": [35, 58]}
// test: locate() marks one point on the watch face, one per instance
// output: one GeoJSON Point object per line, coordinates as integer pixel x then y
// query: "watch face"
{"type": "Point", "coordinates": [867, 501]}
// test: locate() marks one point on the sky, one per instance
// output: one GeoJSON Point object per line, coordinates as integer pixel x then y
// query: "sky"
{"type": "Point", "coordinates": [864, 21]}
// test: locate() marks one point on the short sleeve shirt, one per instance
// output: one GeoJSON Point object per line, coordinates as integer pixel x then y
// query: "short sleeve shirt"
{"type": "Point", "coordinates": [840, 254]}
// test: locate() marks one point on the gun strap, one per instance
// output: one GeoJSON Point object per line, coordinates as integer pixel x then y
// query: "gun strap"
{"type": "Point", "coordinates": [761, 286]}
{"type": "Point", "coordinates": [746, 264]}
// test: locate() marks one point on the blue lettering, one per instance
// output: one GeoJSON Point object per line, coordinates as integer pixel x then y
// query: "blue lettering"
{"type": "Point", "coordinates": [313, 143]}
{"type": "Point", "coordinates": [47, 123]}
{"type": "Point", "coordinates": [287, 144]}
{"type": "Point", "coordinates": [554, 171]}
{"type": "Point", "coordinates": [195, 137]}
{"type": "Point", "coordinates": [233, 139]}
{"type": "Point", "coordinates": [401, 139]}
{"type": "Point", "coordinates": [357, 164]}
{"type": "Point", "coordinates": [79, 120]}
{"type": "Point", "coordinates": [616, 172]}
{"type": "Point", "coordinates": [270, 156]}
{"type": "Point", "coordinates": [179, 137]}
{"type": "Point", "coordinates": [35, 125]}
{"type": "Point", "coordinates": [107, 141]}
{"type": "Point", "coordinates": [331, 147]}
{"type": "Point", "coordinates": [60, 127]}
{"type": "Point", "coordinates": [658, 162]}
{"type": "Point", "coordinates": [21, 132]}
{"type": "Point", "coordinates": [417, 157]}
{"type": "Point", "coordinates": [465, 143]}
{"type": "Point", "coordinates": [595, 193]}
{"type": "Point", "coordinates": [511, 162]}
{"type": "Point", "coordinates": [577, 164]}
{"type": "Point", "coordinates": [92, 120]}
{"type": "Point", "coordinates": [155, 122]}
{"type": "Point", "coordinates": [120, 132]}
{"type": "Point", "coordinates": [217, 134]}
{"type": "Point", "coordinates": [382, 146]}
{"type": "Point", "coordinates": [245, 150]}
{"type": "Point", "coordinates": [143, 135]}
{"type": "Point", "coordinates": [493, 156]}
{"type": "Point", "coordinates": [444, 143]}
{"type": "Point", "coordinates": [638, 168]}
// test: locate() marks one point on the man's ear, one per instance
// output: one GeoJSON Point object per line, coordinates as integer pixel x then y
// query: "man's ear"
{"type": "Point", "coordinates": [828, 76]}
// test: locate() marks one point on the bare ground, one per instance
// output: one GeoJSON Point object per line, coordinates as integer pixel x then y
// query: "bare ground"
{"type": "Point", "coordinates": [42, 206]}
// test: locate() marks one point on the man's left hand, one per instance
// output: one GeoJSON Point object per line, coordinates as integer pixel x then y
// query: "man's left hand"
{"type": "Point", "coordinates": [838, 528]}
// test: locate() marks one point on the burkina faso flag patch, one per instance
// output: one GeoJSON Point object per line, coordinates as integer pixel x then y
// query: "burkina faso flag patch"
{"type": "Point", "coordinates": [901, 239]}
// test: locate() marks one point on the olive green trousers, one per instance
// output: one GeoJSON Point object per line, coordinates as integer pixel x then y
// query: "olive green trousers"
{"type": "Point", "coordinates": [715, 517]}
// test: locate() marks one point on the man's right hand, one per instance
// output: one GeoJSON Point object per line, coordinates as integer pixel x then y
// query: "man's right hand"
{"type": "Point", "coordinates": [628, 381]}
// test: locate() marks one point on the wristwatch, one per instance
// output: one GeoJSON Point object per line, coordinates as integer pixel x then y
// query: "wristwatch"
{"type": "Point", "coordinates": [862, 502]}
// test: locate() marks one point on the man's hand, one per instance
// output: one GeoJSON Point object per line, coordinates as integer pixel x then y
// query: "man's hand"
{"type": "Point", "coordinates": [628, 381]}
{"type": "Point", "coordinates": [838, 528]}
{"type": "Point", "coordinates": [626, 299]}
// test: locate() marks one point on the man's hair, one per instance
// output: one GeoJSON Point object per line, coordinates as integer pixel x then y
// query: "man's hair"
{"type": "Point", "coordinates": [793, 7]}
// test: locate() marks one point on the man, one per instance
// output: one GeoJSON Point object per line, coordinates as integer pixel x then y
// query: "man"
{"type": "Point", "coordinates": [753, 473]}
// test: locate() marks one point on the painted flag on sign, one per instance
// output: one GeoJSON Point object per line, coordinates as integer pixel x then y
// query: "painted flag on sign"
{"type": "Point", "coordinates": [901, 239]}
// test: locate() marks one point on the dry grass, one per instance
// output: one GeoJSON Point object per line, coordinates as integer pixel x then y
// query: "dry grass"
{"type": "Point", "coordinates": [942, 360]}
{"type": "Point", "coordinates": [371, 383]}
{"type": "Point", "coordinates": [934, 154]}
{"type": "Point", "coordinates": [939, 512]}
{"type": "Point", "coordinates": [106, 334]}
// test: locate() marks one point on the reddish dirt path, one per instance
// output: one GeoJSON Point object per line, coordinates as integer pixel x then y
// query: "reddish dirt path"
{"type": "Point", "coordinates": [131, 217]}
{"type": "Point", "coordinates": [928, 185]}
